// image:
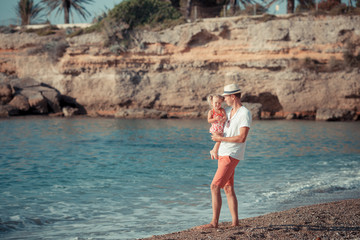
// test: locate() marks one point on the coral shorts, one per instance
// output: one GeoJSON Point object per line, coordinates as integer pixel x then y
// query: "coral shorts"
{"type": "Point", "coordinates": [224, 175]}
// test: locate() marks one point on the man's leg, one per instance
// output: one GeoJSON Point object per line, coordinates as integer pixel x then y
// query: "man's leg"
{"type": "Point", "coordinates": [224, 176]}
{"type": "Point", "coordinates": [216, 204]}
{"type": "Point", "coordinates": [233, 204]}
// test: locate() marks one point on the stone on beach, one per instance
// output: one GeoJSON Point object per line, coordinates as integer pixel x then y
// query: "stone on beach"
{"type": "Point", "coordinates": [335, 220]}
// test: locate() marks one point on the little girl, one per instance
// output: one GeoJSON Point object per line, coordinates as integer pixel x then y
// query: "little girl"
{"type": "Point", "coordinates": [217, 118]}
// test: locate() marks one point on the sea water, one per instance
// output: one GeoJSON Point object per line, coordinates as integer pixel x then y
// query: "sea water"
{"type": "Point", "coordinates": [89, 178]}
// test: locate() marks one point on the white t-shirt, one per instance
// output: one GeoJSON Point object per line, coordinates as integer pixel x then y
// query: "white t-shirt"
{"type": "Point", "coordinates": [242, 118]}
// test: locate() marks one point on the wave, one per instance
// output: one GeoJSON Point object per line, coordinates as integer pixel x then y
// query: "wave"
{"type": "Point", "coordinates": [17, 222]}
{"type": "Point", "coordinates": [327, 183]}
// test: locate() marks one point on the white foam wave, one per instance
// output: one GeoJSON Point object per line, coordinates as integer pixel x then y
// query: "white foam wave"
{"type": "Point", "coordinates": [326, 183]}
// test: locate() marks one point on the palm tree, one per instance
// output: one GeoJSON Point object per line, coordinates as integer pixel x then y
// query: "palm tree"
{"type": "Point", "coordinates": [27, 11]}
{"type": "Point", "coordinates": [66, 6]}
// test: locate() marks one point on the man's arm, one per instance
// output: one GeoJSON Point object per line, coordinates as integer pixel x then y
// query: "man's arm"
{"type": "Point", "coordinates": [241, 138]}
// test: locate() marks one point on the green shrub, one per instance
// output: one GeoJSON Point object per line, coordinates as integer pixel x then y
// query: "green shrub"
{"type": "Point", "coordinates": [143, 12]}
{"type": "Point", "coordinates": [327, 5]}
{"type": "Point", "coordinates": [339, 10]}
{"type": "Point", "coordinates": [118, 48]}
{"type": "Point", "coordinates": [115, 33]}
{"type": "Point", "coordinates": [130, 14]}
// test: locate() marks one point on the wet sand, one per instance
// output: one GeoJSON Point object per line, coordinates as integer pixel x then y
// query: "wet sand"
{"type": "Point", "coordinates": [334, 220]}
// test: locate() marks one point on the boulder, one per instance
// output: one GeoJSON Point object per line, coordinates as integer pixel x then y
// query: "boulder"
{"type": "Point", "coordinates": [30, 96]}
{"type": "Point", "coordinates": [69, 111]}
{"type": "Point", "coordinates": [335, 114]}
{"type": "Point", "coordinates": [3, 112]}
{"type": "Point", "coordinates": [53, 99]}
{"type": "Point", "coordinates": [5, 93]}
{"type": "Point", "coordinates": [8, 110]}
{"type": "Point", "coordinates": [140, 113]}
{"type": "Point", "coordinates": [291, 116]}
{"type": "Point", "coordinates": [37, 102]}
{"type": "Point", "coordinates": [20, 102]}
{"type": "Point", "coordinates": [21, 83]}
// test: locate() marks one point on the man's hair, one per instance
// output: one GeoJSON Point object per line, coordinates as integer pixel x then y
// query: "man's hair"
{"type": "Point", "coordinates": [238, 95]}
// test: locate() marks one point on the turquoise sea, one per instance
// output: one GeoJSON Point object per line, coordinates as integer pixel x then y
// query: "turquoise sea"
{"type": "Point", "coordinates": [99, 178]}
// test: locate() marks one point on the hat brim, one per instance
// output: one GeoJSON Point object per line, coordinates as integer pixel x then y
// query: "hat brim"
{"type": "Point", "coordinates": [226, 93]}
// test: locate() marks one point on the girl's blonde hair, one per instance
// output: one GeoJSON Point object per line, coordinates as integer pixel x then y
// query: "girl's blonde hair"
{"type": "Point", "coordinates": [212, 96]}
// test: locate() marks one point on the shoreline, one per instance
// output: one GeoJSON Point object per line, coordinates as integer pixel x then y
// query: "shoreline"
{"type": "Point", "coordinates": [333, 220]}
{"type": "Point", "coordinates": [55, 116]}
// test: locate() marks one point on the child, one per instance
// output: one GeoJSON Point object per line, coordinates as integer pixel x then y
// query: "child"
{"type": "Point", "coordinates": [217, 118]}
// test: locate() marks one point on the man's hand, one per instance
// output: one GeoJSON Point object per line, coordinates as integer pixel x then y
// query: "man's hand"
{"type": "Point", "coordinates": [216, 138]}
{"type": "Point", "coordinates": [241, 138]}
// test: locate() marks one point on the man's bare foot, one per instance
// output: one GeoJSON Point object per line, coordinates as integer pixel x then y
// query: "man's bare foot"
{"type": "Point", "coordinates": [213, 155]}
{"type": "Point", "coordinates": [206, 226]}
{"type": "Point", "coordinates": [235, 224]}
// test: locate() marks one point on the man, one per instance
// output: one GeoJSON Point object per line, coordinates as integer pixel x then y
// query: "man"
{"type": "Point", "coordinates": [231, 151]}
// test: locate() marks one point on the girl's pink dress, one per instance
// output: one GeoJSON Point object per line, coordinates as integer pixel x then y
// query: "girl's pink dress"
{"type": "Point", "coordinates": [217, 127]}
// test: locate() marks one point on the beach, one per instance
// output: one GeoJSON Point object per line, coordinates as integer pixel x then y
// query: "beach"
{"type": "Point", "coordinates": [334, 220]}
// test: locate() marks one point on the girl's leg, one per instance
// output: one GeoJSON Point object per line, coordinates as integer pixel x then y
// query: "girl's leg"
{"type": "Point", "coordinates": [214, 151]}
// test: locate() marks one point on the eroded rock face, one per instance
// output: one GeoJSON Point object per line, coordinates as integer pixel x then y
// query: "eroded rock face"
{"type": "Point", "coordinates": [173, 71]}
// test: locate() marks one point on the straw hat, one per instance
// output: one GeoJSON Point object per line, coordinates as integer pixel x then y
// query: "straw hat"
{"type": "Point", "coordinates": [231, 89]}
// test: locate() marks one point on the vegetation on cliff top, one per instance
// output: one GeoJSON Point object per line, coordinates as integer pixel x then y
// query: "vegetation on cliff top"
{"type": "Point", "coordinates": [129, 15]}
{"type": "Point", "coordinates": [137, 13]}
{"type": "Point", "coordinates": [66, 6]}
{"type": "Point", "coordinates": [166, 13]}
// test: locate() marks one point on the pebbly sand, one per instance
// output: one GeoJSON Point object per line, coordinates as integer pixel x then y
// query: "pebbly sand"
{"type": "Point", "coordinates": [334, 220]}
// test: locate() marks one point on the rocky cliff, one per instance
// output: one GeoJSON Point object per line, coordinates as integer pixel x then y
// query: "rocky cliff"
{"type": "Point", "coordinates": [290, 66]}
